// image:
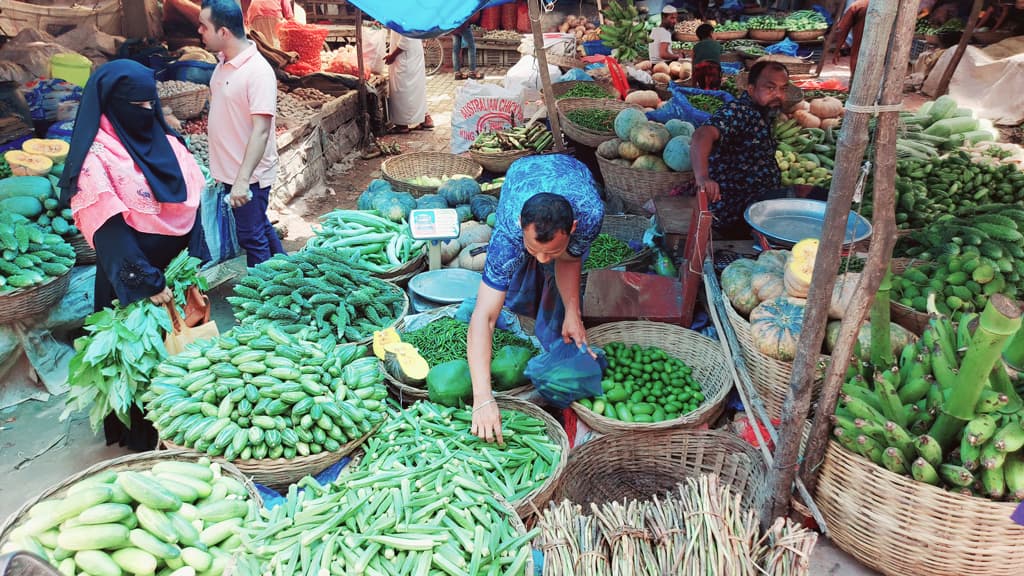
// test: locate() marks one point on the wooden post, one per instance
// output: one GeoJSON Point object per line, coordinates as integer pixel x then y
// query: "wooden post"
{"type": "Point", "coordinates": [947, 74]}
{"type": "Point", "coordinates": [883, 239]}
{"type": "Point", "coordinates": [853, 140]}
{"type": "Point", "coordinates": [545, 77]}
{"type": "Point", "coordinates": [600, 13]}
{"type": "Point", "coordinates": [363, 106]}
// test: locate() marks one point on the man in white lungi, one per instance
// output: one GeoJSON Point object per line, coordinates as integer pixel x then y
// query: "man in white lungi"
{"type": "Point", "coordinates": [407, 85]}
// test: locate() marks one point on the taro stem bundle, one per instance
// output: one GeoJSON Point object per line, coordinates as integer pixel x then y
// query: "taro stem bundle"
{"type": "Point", "coordinates": [667, 522]}
{"type": "Point", "coordinates": [721, 535]}
{"type": "Point", "coordinates": [592, 547]}
{"type": "Point", "coordinates": [557, 538]}
{"type": "Point", "coordinates": [786, 549]}
{"type": "Point", "coordinates": [624, 528]}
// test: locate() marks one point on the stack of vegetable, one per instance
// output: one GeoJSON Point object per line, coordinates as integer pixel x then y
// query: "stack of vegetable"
{"type": "Point", "coordinates": [663, 73]}
{"type": "Point", "coordinates": [255, 394]}
{"type": "Point", "coordinates": [606, 251]}
{"type": "Point", "coordinates": [420, 502]}
{"type": "Point", "coordinates": [924, 27]}
{"type": "Point", "coordinates": [624, 31]}
{"type": "Point", "coordinates": [947, 413]}
{"type": "Point", "coordinates": [700, 528]}
{"type": "Point", "coordinates": [824, 112]}
{"type": "Point", "coordinates": [594, 119]}
{"type": "Point", "coordinates": [765, 23]}
{"type": "Point", "coordinates": [461, 193]}
{"type": "Point", "coordinates": [366, 241]}
{"type": "Point", "coordinates": [586, 90]}
{"type": "Point", "coordinates": [964, 260]}
{"type": "Point", "coordinates": [317, 295]}
{"type": "Point", "coordinates": [36, 198]}
{"type": "Point", "coordinates": [804, 21]}
{"type": "Point", "coordinates": [748, 47]}
{"type": "Point", "coordinates": [444, 340]}
{"type": "Point", "coordinates": [382, 198]}
{"type": "Point", "coordinates": [647, 145]}
{"type": "Point", "coordinates": [645, 384]}
{"type": "Point", "coordinates": [731, 26]}
{"type": "Point", "coordinates": [940, 124]}
{"type": "Point", "coordinates": [177, 517]}
{"type": "Point", "coordinates": [705, 102]}
{"type": "Point", "coordinates": [534, 137]}
{"type": "Point", "coordinates": [469, 250]}
{"type": "Point", "coordinates": [30, 256]}
{"type": "Point", "coordinates": [117, 358]}
{"type": "Point", "coordinates": [804, 155]}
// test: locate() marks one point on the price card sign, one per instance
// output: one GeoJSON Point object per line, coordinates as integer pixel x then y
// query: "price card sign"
{"type": "Point", "coordinates": [434, 224]}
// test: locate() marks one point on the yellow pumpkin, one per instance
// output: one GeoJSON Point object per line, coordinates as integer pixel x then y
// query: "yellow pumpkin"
{"type": "Point", "coordinates": [25, 164]}
{"type": "Point", "coordinates": [55, 150]}
{"type": "Point", "coordinates": [799, 269]}
{"type": "Point", "coordinates": [404, 362]}
{"type": "Point", "coordinates": [382, 338]}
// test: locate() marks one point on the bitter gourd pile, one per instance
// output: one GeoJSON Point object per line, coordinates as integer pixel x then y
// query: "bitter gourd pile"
{"type": "Point", "coordinates": [315, 292]}
{"type": "Point", "coordinates": [30, 256]}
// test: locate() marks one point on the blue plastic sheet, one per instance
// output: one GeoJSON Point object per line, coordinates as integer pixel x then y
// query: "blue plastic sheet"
{"type": "Point", "coordinates": [424, 18]}
{"type": "Point", "coordinates": [566, 373]}
{"type": "Point", "coordinates": [679, 107]}
{"type": "Point", "coordinates": [576, 74]}
{"type": "Point", "coordinates": [731, 68]}
{"type": "Point", "coordinates": [787, 47]}
{"type": "Point", "coordinates": [273, 498]}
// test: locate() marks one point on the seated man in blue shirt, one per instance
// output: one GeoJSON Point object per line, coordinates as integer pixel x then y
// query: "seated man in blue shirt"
{"type": "Point", "coordinates": [547, 217]}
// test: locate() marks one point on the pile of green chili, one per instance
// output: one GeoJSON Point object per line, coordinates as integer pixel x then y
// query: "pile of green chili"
{"type": "Point", "coordinates": [586, 90]}
{"type": "Point", "coordinates": [705, 102]}
{"type": "Point", "coordinates": [593, 119]}
{"type": "Point", "coordinates": [606, 251]}
{"type": "Point", "coordinates": [444, 340]}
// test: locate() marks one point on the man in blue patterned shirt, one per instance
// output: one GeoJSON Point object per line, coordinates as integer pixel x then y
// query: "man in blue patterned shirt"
{"type": "Point", "coordinates": [734, 151]}
{"type": "Point", "coordinates": [547, 217]}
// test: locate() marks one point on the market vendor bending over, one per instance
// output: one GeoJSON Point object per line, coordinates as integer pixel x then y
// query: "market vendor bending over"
{"type": "Point", "coordinates": [734, 151]}
{"type": "Point", "coordinates": [548, 215]}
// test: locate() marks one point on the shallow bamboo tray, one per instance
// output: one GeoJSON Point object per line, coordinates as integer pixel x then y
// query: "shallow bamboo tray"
{"type": "Point", "coordinates": [398, 170]}
{"type": "Point", "coordinates": [586, 136]}
{"type": "Point", "coordinates": [700, 353]}
{"type": "Point", "coordinates": [637, 186]}
{"type": "Point", "coordinates": [33, 300]}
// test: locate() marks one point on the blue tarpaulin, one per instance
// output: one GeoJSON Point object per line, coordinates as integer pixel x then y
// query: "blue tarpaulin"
{"type": "Point", "coordinates": [423, 18]}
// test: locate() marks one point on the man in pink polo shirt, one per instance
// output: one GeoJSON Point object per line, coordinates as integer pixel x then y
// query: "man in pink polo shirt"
{"type": "Point", "coordinates": [242, 137]}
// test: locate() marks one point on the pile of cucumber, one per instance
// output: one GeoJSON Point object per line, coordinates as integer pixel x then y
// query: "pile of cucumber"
{"type": "Point", "coordinates": [262, 394]}
{"type": "Point", "coordinates": [176, 518]}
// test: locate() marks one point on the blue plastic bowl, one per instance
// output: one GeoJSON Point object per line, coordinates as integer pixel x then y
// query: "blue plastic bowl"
{"type": "Point", "coordinates": [596, 48]}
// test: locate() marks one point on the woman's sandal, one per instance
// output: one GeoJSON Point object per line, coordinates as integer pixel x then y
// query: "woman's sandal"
{"type": "Point", "coordinates": [399, 130]}
{"type": "Point", "coordinates": [427, 124]}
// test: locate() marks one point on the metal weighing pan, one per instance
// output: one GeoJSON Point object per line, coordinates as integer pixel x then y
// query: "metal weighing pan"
{"type": "Point", "coordinates": [786, 221]}
{"type": "Point", "coordinates": [446, 286]}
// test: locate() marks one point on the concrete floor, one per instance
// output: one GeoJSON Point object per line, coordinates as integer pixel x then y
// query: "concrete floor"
{"type": "Point", "coordinates": [38, 451]}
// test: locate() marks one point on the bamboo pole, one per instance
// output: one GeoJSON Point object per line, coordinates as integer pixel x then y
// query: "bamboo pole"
{"type": "Point", "coordinates": [853, 140]}
{"type": "Point", "coordinates": [364, 112]}
{"type": "Point", "coordinates": [882, 242]}
{"type": "Point", "coordinates": [947, 74]}
{"type": "Point", "coordinates": [545, 77]}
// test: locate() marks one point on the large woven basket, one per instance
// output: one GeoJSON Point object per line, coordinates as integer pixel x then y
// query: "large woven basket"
{"type": "Point", "coordinates": [704, 355]}
{"type": "Point", "coordinates": [498, 162]}
{"type": "Point", "coordinates": [586, 136]}
{"type": "Point", "coordinates": [730, 35]}
{"type": "Point", "coordinates": [638, 465]}
{"type": "Point", "coordinates": [140, 461]}
{"type": "Point", "coordinates": [770, 376]}
{"type": "Point", "coordinates": [681, 37]}
{"type": "Point", "coordinates": [903, 315]}
{"type": "Point", "coordinates": [33, 300]}
{"type": "Point", "coordinates": [407, 394]}
{"type": "Point", "coordinates": [398, 170]}
{"type": "Point", "coordinates": [560, 88]}
{"type": "Point", "coordinates": [637, 186]}
{"type": "Point", "coordinates": [413, 264]}
{"type": "Point", "coordinates": [628, 228]}
{"type": "Point", "coordinates": [767, 35]}
{"type": "Point", "coordinates": [84, 254]}
{"type": "Point", "coordinates": [188, 105]}
{"type": "Point", "coordinates": [899, 526]}
{"type": "Point", "coordinates": [806, 35]}
{"type": "Point", "coordinates": [538, 498]}
{"type": "Point", "coordinates": [279, 473]}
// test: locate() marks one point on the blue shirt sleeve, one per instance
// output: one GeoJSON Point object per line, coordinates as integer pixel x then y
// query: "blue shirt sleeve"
{"type": "Point", "coordinates": [504, 255]}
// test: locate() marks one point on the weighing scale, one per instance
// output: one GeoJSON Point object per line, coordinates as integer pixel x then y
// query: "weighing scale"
{"type": "Point", "coordinates": [439, 286]}
{"type": "Point", "coordinates": [783, 222]}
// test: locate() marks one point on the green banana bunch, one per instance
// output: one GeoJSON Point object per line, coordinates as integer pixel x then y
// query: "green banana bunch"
{"type": "Point", "coordinates": [887, 412]}
{"type": "Point", "coordinates": [623, 32]}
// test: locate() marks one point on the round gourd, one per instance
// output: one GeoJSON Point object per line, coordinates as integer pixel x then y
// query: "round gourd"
{"type": "Point", "coordinates": [899, 337]}
{"type": "Point", "coordinates": [737, 285]}
{"type": "Point", "coordinates": [651, 137]}
{"type": "Point", "coordinates": [404, 362]}
{"type": "Point", "coordinates": [660, 68]}
{"type": "Point", "coordinates": [449, 384]}
{"type": "Point", "coordinates": [645, 98]}
{"type": "Point", "coordinates": [677, 127]}
{"type": "Point", "coordinates": [430, 201]}
{"type": "Point", "coordinates": [470, 260]}
{"type": "Point", "coordinates": [650, 162]}
{"type": "Point", "coordinates": [626, 119]}
{"type": "Point", "coordinates": [55, 150]}
{"type": "Point", "coordinates": [629, 151]}
{"type": "Point", "coordinates": [806, 119]}
{"type": "Point", "coordinates": [661, 77]}
{"type": "Point", "coordinates": [677, 154]}
{"type": "Point", "coordinates": [450, 250]}
{"type": "Point", "coordinates": [775, 327]}
{"type": "Point", "coordinates": [842, 294]}
{"type": "Point", "coordinates": [826, 107]}
{"type": "Point", "coordinates": [479, 234]}
{"type": "Point", "coordinates": [674, 69]}
{"type": "Point", "coordinates": [800, 268]}
{"type": "Point", "coordinates": [609, 149]}
{"type": "Point", "coordinates": [25, 164]}
{"type": "Point", "coordinates": [459, 190]}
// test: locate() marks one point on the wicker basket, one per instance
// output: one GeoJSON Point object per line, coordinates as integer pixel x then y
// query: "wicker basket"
{"type": "Point", "coordinates": [680, 37]}
{"type": "Point", "coordinates": [903, 315]}
{"type": "Point", "coordinates": [538, 498]}
{"type": "Point", "coordinates": [188, 105]}
{"type": "Point", "coordinates": [770, 376]}
{"type": "Point", "coordinates": [33, 300]}
{"type": "Point", "coordinates": [402, 280]}
{"type": "Point", "coordinates": [583, 135]}
{"type": "Point", "coordinates": [637, 186]}
{"type": "Point", "coordinates": [398, 170]}
{"type": "Point", "coordinates": [407, 394]}
{"type": "Point", "coordinates": [84, 254]}
{"type": "Point", "coordinates": [498, 162]}
{"type": "Point", "coordinates": [628, 228]}
{"type": "Point", "coordinates": [806, 35]}
{"type": "Point", "coordinates": [560, 88]}
{"type": "Point", "coordinates": [140, 461]}
{"type": "Point", "coordinates": [704, 355]}
{"type": "Point", "coordinates": [730, 35]}
{"type": "Point", "coordinates": [767, 35]}
{"type": "Point", "coordinates": [638, 465]}
{"type": "Point", "coordinates": [899, 526]}
{"type": "Point", "coordinates": [414, 264]}
{"type": "Point", "coordinates": [279, 473]}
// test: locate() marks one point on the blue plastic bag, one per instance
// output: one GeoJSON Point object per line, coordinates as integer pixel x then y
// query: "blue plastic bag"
{"type": "Point", "coordinates": [679, 107]}
{"type": "Point", "coordinates": [732, 68]}
{"type": "Point", "coordinates": [566, 373]}
{"type": "Point", "coordinates": [272, 498]}
{"type": "Point", "coordinates": [787, 47]}
{"type": "Point", "coordinates": [576, 74]}
{"type": "Point", "coordinates": [824, 13]}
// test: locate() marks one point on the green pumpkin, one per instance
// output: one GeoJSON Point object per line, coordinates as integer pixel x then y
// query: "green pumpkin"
{"type": "Point", "coordinates": [775, 327]}
{"type": "Point", "coordinates": [736, 284]}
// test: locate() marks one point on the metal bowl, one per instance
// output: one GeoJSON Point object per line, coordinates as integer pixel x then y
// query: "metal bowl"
{"type": "Point", "coordinates": [446, 286]}
{"type": "Point", "coordinates": [786, 221]}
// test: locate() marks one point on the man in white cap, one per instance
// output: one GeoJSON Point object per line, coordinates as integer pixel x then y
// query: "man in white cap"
{"type": "Point", "coordinates": [660, 48]}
